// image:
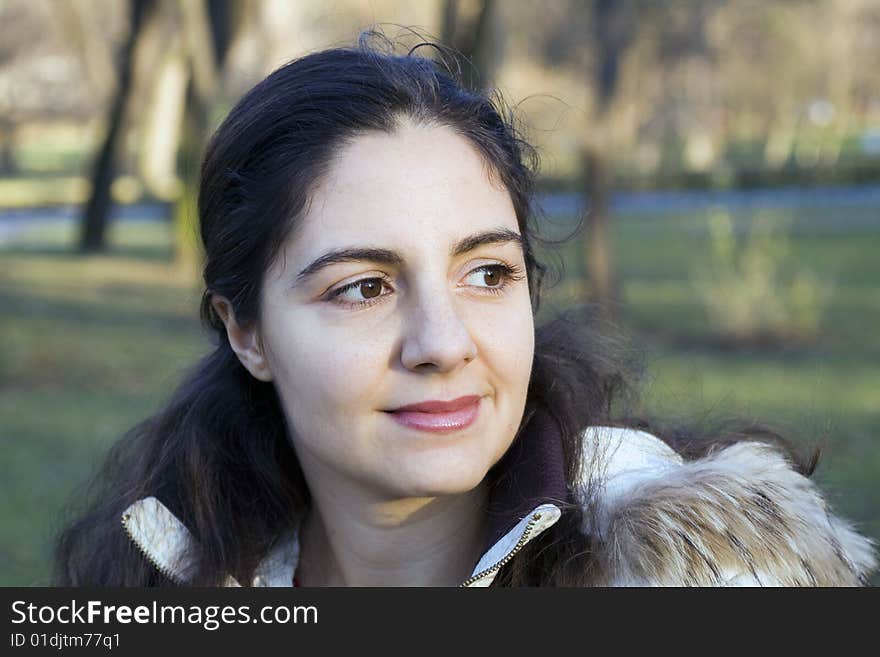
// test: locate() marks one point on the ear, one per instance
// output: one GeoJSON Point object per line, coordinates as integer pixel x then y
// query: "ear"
{"type": "Point", "coordinates": [245, 341]}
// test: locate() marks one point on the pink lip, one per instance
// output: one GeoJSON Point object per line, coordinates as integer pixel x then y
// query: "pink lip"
{"type": "Point", "coordinates": [434, 406]}
{"type": "Point", "coordinates": [447, 416]}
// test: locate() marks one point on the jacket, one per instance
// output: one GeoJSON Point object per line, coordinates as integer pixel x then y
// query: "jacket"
{"type": "Point", "coordinates": [740, 516]}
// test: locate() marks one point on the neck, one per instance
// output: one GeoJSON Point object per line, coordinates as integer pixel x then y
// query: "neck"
{"type": "Point", "coordinates": [406, 542]}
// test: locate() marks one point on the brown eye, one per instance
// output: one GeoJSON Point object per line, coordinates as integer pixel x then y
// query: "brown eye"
{"type": "Point", "coordinates": [370, 288]}
{"type": "Point", "coordinates": [492, 276]}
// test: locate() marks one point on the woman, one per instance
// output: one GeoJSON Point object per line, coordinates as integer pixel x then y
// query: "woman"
{"type": "Point", "coordinates": [379, 408]}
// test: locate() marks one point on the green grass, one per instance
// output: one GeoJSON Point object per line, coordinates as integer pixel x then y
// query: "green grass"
{"type": "Point", "coordinates": [90, 345]}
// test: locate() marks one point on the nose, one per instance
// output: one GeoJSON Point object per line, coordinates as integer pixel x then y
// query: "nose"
{"type": "Point", "coordinates": [437, 336]}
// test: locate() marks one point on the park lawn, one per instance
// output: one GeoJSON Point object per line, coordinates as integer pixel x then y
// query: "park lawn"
{"type": "Point", "coordinates": [90, 346]}
{"type": "Point", "coordinates": [93, 344]}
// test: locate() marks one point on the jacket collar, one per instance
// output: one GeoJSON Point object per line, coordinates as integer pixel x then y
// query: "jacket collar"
{"type": "Point", "coordinates": [529, 475]}
{"type": "Point", "coordinates": [525, 500]}
{"type": "Point", "coordinates": [527, 495]}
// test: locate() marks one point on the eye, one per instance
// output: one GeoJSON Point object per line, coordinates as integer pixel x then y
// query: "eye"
{"type": "Point", "coordinates": [490, 275]}
{"type": "Point", "coordinates": [496, 277]}
{"type": "Point", "coordinates": [363, 292]}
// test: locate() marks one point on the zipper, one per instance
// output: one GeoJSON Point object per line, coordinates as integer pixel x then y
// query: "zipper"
{"type": "Point", "coordinates": [149, 557]}
{"type": "Point", "coordinates": [166, 572]}
{"type": "Point", "coordinates": [523, 539]}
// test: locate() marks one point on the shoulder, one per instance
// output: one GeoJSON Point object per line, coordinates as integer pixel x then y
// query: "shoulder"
{"type": "Point", "coordinates": [740, 516]}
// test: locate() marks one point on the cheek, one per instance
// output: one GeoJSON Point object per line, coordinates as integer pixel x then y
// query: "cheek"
{"type": "Point", "coordinates": [323, 370]}
{"type": "Point", "coordinates": [509, 339]}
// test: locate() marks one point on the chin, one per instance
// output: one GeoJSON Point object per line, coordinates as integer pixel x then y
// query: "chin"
{"type": "Point", "coordinates": [448, 465]}
{"type": "Point", "coordinates": [443, 489]}
{"type": "Point", "coordinates": [439, 479]}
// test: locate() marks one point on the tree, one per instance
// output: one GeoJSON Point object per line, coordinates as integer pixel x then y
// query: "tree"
{"type": "Point", "coordinates": [208, 33]}
{"type": "Point", "coordinates": [475, 39]}
{"type": "Point", "coordinates": [97, 210]}
{"type": "Point", "coordinates": [614, 26]}
{"type": "Point", "coordinates": [611, 47]}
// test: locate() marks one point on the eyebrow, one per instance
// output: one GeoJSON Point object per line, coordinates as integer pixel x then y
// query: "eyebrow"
{"type": "Point", "coordinates": [391, 257]}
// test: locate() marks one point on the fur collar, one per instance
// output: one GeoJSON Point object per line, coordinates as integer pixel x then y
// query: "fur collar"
{"type": "Point", "coordinates": [740, 516]}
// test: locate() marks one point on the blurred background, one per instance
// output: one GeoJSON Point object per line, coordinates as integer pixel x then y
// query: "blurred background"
{"type": "Point", "coordinates": [724, 156]}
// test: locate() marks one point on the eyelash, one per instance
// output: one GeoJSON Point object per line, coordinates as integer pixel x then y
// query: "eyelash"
{"type": "Point", "coordinates": [510, 274]}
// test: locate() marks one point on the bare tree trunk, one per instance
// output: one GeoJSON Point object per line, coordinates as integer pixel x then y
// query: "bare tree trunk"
{"type": "Point", "coordinates": [209, 28]}
{"type": "Point", "coordinates": [448, 21]}
{"type": "Point", "coordinates": [597, 251]}
{"type": "Point", "coordinates": [97, 210]}
{"type": "Point", "coordinates": [476, 40]}
{"type": "Point", "coordinates": [163, 122]}
{"type": "Point", "coordinates": [8, 164]}
{"type": "Point", "coordinates": [481, 48]}
{"type": "Point", "coordinates": [613, 28]}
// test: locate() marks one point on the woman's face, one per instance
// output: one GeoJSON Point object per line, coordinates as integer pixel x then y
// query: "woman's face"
{"type": "Point", "coordinates": [440, 310]}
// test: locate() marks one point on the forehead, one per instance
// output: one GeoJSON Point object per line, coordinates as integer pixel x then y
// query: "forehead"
{"type": "Point", "coordinates": [415, 187]}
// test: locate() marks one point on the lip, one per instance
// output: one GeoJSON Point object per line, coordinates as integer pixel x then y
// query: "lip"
{"type": "Point", "coordinates": [434, 406]}
{"type": "Point", "coordinates": [438, 416]}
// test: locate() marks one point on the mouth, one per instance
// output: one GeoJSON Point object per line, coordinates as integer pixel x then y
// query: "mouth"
{"type": "Point", "coordinates": [435, 406]}
{"type": "Point", "coordinates": [440, 417]}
